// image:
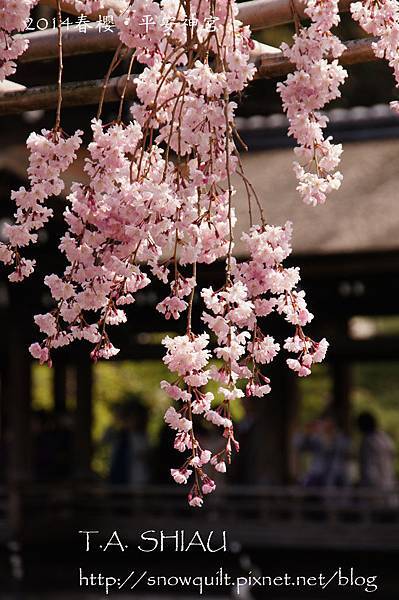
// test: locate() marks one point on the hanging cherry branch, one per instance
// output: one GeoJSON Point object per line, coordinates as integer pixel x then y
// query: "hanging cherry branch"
{"type": "Point", "coordinates": [314, 84]}
{"type": "Point", "coordinates": [159, 204]}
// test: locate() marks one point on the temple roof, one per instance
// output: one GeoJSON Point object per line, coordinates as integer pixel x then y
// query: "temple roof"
{"type": "Point", "coordinates": [362, 216]}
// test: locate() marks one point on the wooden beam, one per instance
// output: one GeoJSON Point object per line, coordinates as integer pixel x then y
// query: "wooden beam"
{"type": "Point", "coordinates": [11, 86]}
{"type": "Point", "coordinates": [262, 14]}
{"type": "Point", "coordinates": [357, 51]}
{"type": "Point", "coordinates": [59, 387]}
{"type": "Point", "coordinates": [43, 45]}
{"type": "Point", "coordinates": [80, 93]}
{"type": "Point", "coordinates": [83, 418]}
{"type": "Point", "coordinates": [117, 6]}
{"type": "Point", "coordinates": [341, 401]}
{"type": "Point", "coordinates": [259, 14]}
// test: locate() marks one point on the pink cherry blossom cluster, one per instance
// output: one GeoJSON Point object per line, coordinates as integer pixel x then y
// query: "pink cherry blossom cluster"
{"type": "Point", "coordinates": [50, 154]}
{"type": "Point", "coordinates": [111, 221]}
{"type": "Point", "coordinates": [315, 83]}
{"type": "Point", "coordinates": [234, 316]}
{"type": "Point", "coordinates": [273, 288]}
{"type": "Point", "coordinates": [381, 18]}
{"type": "Point", "coordinates": [86, 6]}
{"type": "Point", "coordinates": [14, 16]}
{"type": "Point", "coordinates": [187, 102]}
{"type": "Point", "coordinates": [157, 202]}
{"type": "Point", "coordinates": [189, 357]}
{"type": "Point", "coordinates": [135, 35]}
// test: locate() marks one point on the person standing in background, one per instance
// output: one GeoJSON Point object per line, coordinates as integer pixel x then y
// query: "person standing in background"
{"type": "Point", "coordinates": [376, 455]}
{"type": "Point", "coordinates": [329, 451]}
{"type": "Point", "coordinates": [128, 441]}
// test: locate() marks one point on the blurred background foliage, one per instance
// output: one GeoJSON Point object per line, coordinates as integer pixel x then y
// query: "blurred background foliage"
{"type": "Point", "coordinates": [115, 384]}
{"type": "Point", "coordinates": [375, 388]}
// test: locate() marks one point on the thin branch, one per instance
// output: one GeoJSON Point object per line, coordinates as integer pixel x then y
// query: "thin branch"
{"type": "Point", "coordinates": [60, 67]}
{"type": "Point", "coordinates": [123, 94]}
{"type": "Point", "coordinates": [107, 78]}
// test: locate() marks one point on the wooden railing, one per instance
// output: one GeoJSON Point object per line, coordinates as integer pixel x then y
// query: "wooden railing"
{"type": "Point", "coordinates": [254, 516]}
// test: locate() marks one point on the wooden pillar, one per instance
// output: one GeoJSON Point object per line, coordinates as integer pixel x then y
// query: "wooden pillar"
{"type": "Point", "coordinates": [3, 418]}
{"type": "Point", "coordinates": [18, 399]}
{"type": "Point", "coordinates": [83, 418]}
{"type": "Point", "coordinates": [276, 418]}
{"type": "Point", "coordinates": [341, 377]}
{"type": "Point", "coordinates": [59, 387]}
{"type": "Point", "coordinates": [341, 404]}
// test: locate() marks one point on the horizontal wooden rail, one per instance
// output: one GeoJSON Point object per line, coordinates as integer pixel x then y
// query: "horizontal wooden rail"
{"type": "Point", "coordinates": [262, 14]}
{"type": "Point", "coordinates": [259, 14]}
{"type": "Point", "coordinates": [357, 51]}
{"type": "Point", "coordinates": [77, 93]}
{"type": "Point", "coordinates": [261, 517]}
{"type": "Point", "coordinates": [43, 45]}
{"type": "Point", "coordinates": [88, 92]}
{"type": "Point", "coordinates": [118, 6]}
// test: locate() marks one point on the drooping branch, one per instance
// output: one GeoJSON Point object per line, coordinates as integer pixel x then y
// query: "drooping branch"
{"type": "Point", "coordinates": [259, 14]}
{"type": "Point", "coordinates": [271, 64]}
{"type": "Point", "coordinates": [159, 197]}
